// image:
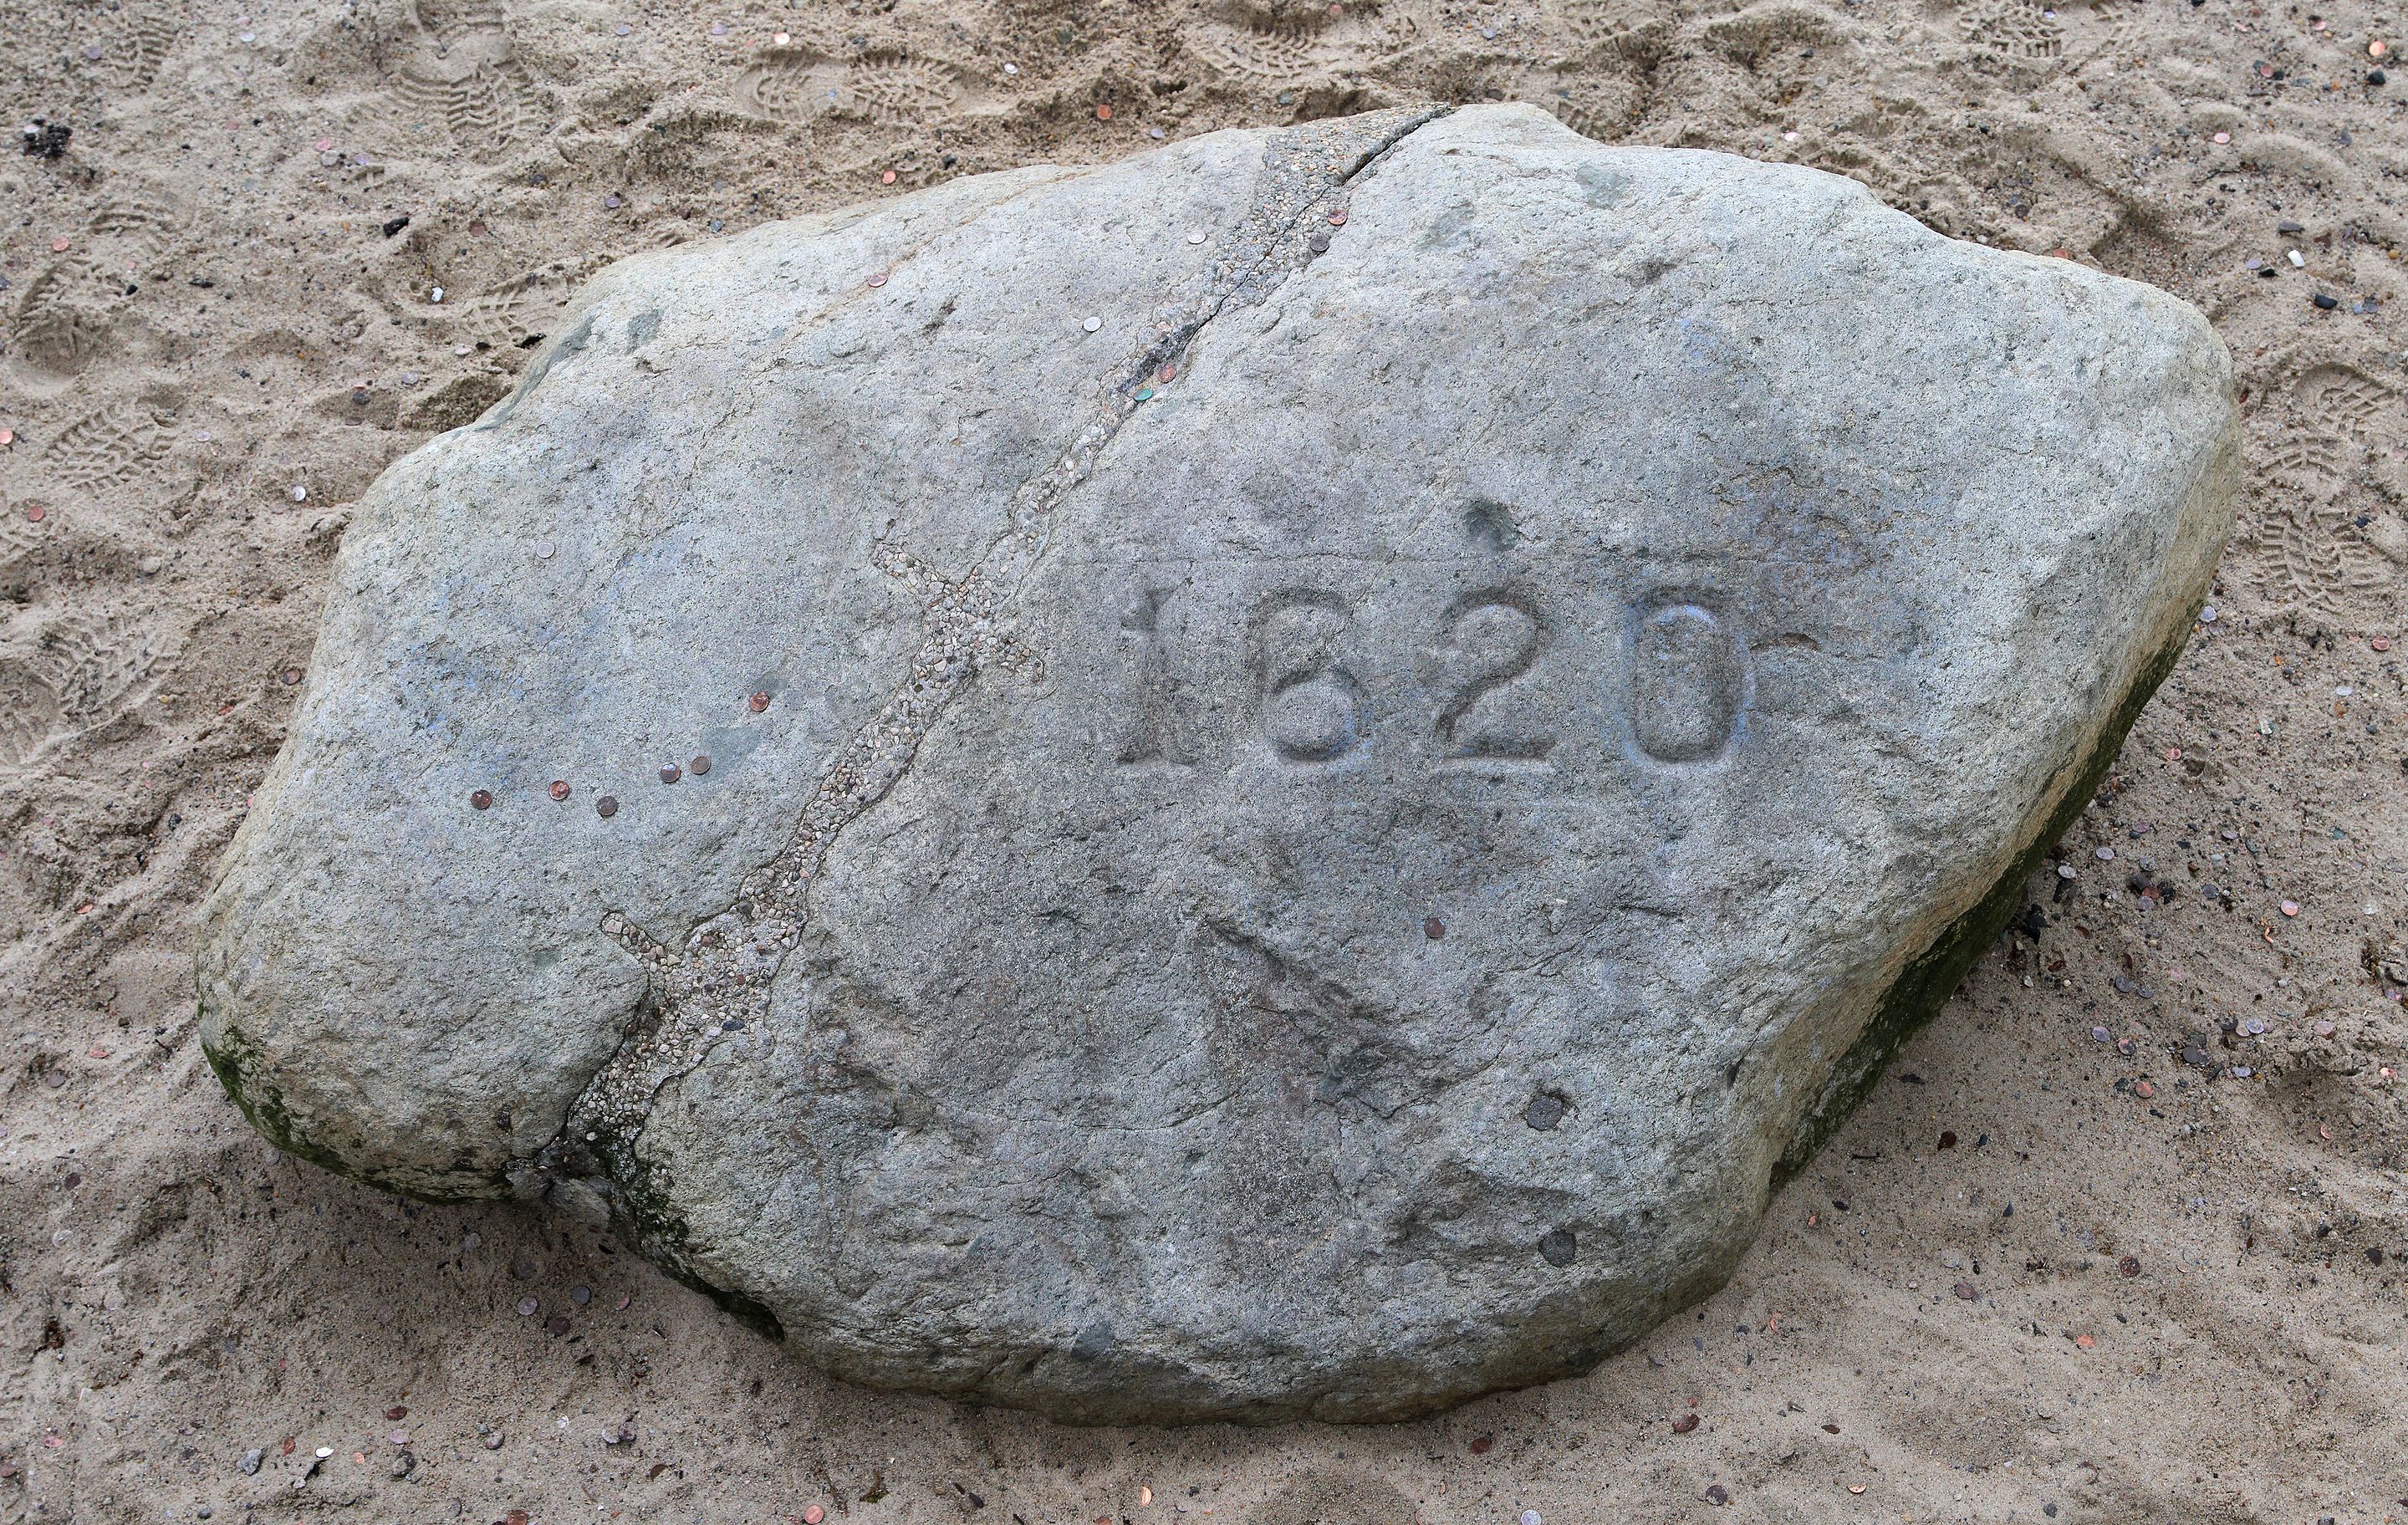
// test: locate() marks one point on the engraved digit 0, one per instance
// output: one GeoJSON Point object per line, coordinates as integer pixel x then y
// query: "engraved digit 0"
{"type": "Point", "coordinates": [1687, 677]}
{"type": "Point", "coordinates": [1311, 706]}
{"type": "Point", "coordinates": [1499, 633]}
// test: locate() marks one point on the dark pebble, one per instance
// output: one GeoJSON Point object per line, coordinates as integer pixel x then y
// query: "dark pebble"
{"type": "Point", "coordinates": [580, 1295]}
{"type": "Point", "coordinates": [606, 807]}
{"type": "Point", "coordinates": [1965, 1289]}
{"type": "Point", "coordinates": [481, 798]}
{"type": "Point", "coordinates": [2287, 225]}
{"type": "Point", "coordinates": [2048, 1509]}
{"type": "Point", "coordinates": [1318, 243]}
{"type": "Point", "coordinates": [1948, 1141]}
{"type": "Point", "coordinates": [699, 766]}
{"type": "Point", "coordinates": [2374, 1255]}
{"type": "Point", "coordinates": [557, 1323]}
{"type": "Point", "coordinates": [1717, 1495]}
{"type": "Point", "coordinates": [2376, 76]}
{"type": "Point", "coordinates": [1558, 1247]}
{"type": "Point", "coordinates": [1544, 1111]}
{"type": "Point", "coordinates": [2327, 302]}
{"type": "Point", "coordinates": [1686, 1423]}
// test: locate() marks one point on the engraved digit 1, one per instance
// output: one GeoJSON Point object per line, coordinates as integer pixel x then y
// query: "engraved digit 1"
{"type": "Point", "coordinates": [1687, 677]}
{"type": "Point", "coordinates": [1154, 734]}
{"type": "Point", "coordinates": [1499, 635]}
{"type": "Point", "coordinates": [1312, 707]}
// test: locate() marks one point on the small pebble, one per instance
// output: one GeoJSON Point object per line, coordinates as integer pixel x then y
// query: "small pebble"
{"type": "Point", "coordinates": [2326, 302]}
{"type": "Point", "coordinates": [606, 807]}
{"type": "Point", "coordinates": [698, 766]}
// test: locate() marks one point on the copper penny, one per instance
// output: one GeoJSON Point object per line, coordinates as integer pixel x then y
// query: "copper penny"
{"type": "Point", "coordinates": [606, 806]}
{"type": "Point", "coordinates": [759, 702]}
{"type": "Point", "coordinates": [671, 774]}
{"type": "Point", "coordinates": [482, 799]}
{"type": "Point", "coordinates": [559, 789]}
{"type": "Point", "coordinates": [699, 766]}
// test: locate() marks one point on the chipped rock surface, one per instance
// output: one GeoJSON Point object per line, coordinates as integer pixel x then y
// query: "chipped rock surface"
{"type": "Point", "coordinates": [1275, 780]}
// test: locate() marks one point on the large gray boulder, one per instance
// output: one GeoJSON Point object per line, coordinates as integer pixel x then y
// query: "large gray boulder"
{"type": "Point", "coordinates": [1301, 767]}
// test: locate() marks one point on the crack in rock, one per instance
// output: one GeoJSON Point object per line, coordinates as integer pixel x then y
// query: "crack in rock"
{"type": "Point", "coordinates": [716, 981]}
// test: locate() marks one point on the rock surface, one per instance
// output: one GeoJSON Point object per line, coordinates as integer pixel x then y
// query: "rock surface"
{"type": "Point", "coordinates": [1276, 779]}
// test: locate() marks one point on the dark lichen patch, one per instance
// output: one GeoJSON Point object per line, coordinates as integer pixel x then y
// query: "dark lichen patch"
{"type": "Point", "coordinates": [1926, 982]}
{"type": "Point", "coordinates": [235, 1063]}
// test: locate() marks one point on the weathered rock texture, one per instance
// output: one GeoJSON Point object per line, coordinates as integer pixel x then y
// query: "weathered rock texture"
{"type": "Point", "coordinates": [1326, 751]}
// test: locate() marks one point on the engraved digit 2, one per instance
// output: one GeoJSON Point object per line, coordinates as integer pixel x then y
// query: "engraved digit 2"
{"type": "Point", "coordinates": [1500, 634]}
{"type": "Point", "coordinates": [1311, 708]}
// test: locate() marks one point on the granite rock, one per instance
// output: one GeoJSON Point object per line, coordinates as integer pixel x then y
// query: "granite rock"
{"type": "Point", "coordinates": [1279, 780]}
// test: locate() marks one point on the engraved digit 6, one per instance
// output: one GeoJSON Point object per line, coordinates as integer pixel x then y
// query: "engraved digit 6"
{"type": "Point", "coordinates": [1312, 707]}
{"type": "Point", "coordinates": [1501, 633]}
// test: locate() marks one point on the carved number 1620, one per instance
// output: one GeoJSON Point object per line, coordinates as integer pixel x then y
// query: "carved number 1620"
{"type": "Point", "coordinates": [1682, 695]}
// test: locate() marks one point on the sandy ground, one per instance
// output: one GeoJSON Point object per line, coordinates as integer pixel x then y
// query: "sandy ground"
{"type": "Point", "coordinates": [2053, 1270]}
